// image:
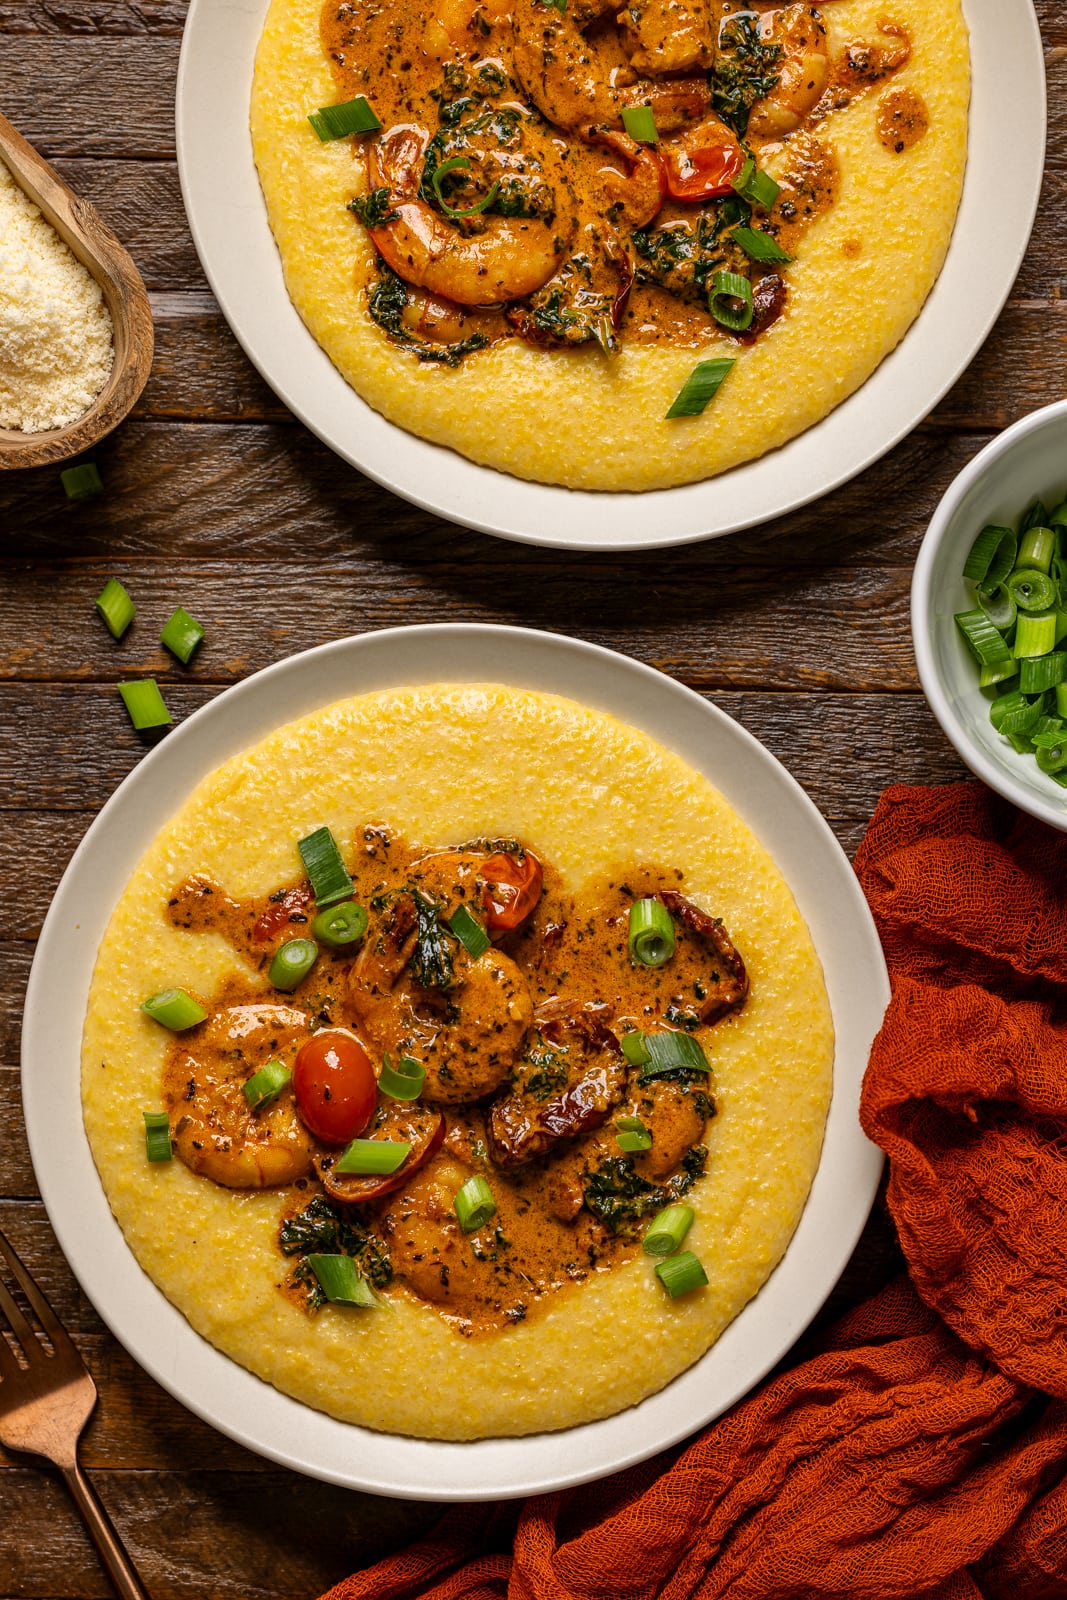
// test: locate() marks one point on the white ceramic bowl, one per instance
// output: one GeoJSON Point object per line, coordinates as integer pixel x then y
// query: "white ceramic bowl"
{"type": "Point", "coordinates": [1027, 462]}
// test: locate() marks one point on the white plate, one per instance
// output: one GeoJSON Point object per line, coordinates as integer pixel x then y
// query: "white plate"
{"type": "Point", "coordinates": [229, 226]}
{"type": "Point", "coordinates": [244, 1407]}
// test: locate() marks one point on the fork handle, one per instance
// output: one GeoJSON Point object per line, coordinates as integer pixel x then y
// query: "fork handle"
{"type": "Point", "coordinates": [112, 1551]}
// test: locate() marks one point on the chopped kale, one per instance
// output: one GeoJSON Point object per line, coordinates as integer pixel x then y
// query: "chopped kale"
{"type": "Point", "coordinates": [373, 209]}
{"type": "Point", "coordinates": [620, 1197]}
{"type": "Point", "coordinates": [687, 1020]}
{"type": "Point", "coordinates": [386, 304]}
{"type": "Point", "coordinates": [745, 71]}
{"type": "Point", "coordinates": [432, 963]}
{"type": "Point", "coordinates": [319, 1230]}
{"type": "Point", "coordinates": [682, 256]}
{"type": "Point", "coordinates": [549, 1070]}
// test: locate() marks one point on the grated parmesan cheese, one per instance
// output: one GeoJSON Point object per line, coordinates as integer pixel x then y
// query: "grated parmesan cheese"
{"type": "Point", "coordinates": [56, 346]}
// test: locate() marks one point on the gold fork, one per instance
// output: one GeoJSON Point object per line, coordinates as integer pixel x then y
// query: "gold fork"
{"type": "Point", "coordinates": [45, 1402]}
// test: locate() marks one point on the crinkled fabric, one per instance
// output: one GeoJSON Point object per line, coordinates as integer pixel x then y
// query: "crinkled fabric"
{"type": "Point", "coordinates": [919, 1451]}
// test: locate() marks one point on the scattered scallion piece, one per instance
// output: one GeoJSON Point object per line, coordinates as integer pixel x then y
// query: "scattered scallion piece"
{"type": "Point", "coordinates": [1035, 633]}
{"type": "Point", "coordinates": [651, 935]}
{"type": "Point", "coordinates": [341, 1282]}
{"type": "Point", "coordinates": [81, 482]}
{"type": "Point", "coordinates": [175, 1009]}
{"type": "Point", "coordinates": [681, 1274]}
{"type": "Point", "coordinates": [144, 704]}
{"type": "Point", "coordinates": [1030, 589]}
{"type": "Point", "coordinates": [730, 301]}
{"type": "Point", "coordinates": [986, 641]}
{"type": "Point", "coordinates": [670, 1050]}
{"type": "Point", "coordinates": [378, 1157]}
{"type": "Point", "coordinates": [157, 1136]}
{"type": "Point", "coordinates": [404, 1081]}
{"type": "Point", "coordinates": [1036, 549]}
{"type": "Point", "coordinates": [474, 1204]}
{"type": "Point", "coordinates": [341, 925]}
{"type": "Point", "coordinates": [992, 556]}
{"type": "Point", "coordinates": [665, 1232]}
{"type": "Point", "coordinates": [116, 607]}
{"type": "Point", "coordinates": [459, 164]}
{"type": "Point", "coordinates": [699, 388]}
{"type": "Point", "coordinates": [469, 931]}
{"type": "Point", "coordinates": [759, 246]}
{"type": "Point", "coordinates": [1038, 673]}
{"type": "Point", "coordinates": [265, 1085]}
{"type": "Point", "coordinates": [181, 634]}
{"type": "Point", "coordinates": [292, 963]}
{"type": "Point", "coordinates": [350, 116]}
{"type": "Point", "coordinates": [631, 1136]}
{"type": "Point", "coordinates": [756, 186]}
{"type": "Point", "coordinates": [640, 124]}
{"type": "Point", "coordinates": [634, 1049]}
{"type": "Point", "coordinates": [325, 869]}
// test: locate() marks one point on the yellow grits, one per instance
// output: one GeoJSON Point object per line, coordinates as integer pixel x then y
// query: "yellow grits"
{"type": "Point", "coordinates": [575, 418]}
{"type": "Point", "coordinates": [443, 764]}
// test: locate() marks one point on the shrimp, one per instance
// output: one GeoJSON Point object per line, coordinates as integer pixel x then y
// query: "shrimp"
{"type": "Point", "coordinates": [671, 35]}
{"type": "Point", "coordinates": [636, 198]}
{"type": "Point", "coordinates": [509, 257]}
{"type": "Point", "coordinates": [803, 76]}
{"type": "Point", "coordinates": [441, 321]}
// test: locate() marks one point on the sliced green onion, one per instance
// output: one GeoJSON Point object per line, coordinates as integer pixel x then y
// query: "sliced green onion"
{"type": "Point", "coordinates": [986, 642]}
{"type": "Point", "coordinates": [669, 1050]}
{"type": "Point", "coordinates": [404, 1081]}
{"type": "Point", "coordinates": [756, 186]}
{"type": "Point", "coordinates": [1030, 589]}
{"type": "Point", "coordinates": [1037, 516]}
{"type": "Point", "coordinates": [340, 1281]}
{"type": "Point", "coordinates": [81, 482]}
{"type": "Point", "coordinates": [470, 933]}
{"type": "Point", "coordinates": [1035, 633]}
{"type": "Point", "coordinates": [453, 164]}
{"type": "Point", "coordinates": [379, 1157]}
{"type": "Point", "coordinates": [988, 676]}
{"type": "Point", "coordinates": [666, 1231]}
{"type": "Point", "coordinates": [632, 1136]}
{"type": "Point", "coordinates": [1061, 699]}
{"type": "Point", "coordinates": [640, 124]}
{"type": "Point", "coordinates": [681, 1273]}
{"type": "Point", "coordinates": [292, 963]}
{"type": "Point", "coordinates": [157, 1136]}
{"type": "Point", "coordinates": [1013, 713]}
{"type": "Point", "coordinates": [116, 607]}
{"type": "Point", "coordinates": [1058, 517]}
{"type": "Point", "coordinates": [1036, 548]}
{"type": "Point", "coordinates": [1038, 673]}
{"type": "Point", "coordinates": [635, 1049]}
{"type": "Point", "coordinates": [651, 937]}
{"type": "Point", "coordinates": [265, 1085]}
{"type": "Point", "coordinates": [759, 246]}
{"type": "Point", "coordinates": [181, 634]}
{"type": "Point", "coordinates": [350, 116]}
{"type": "Point", "coordinates": [1051, 757]}
{"type": "Point", "coordinates": [340, 925]}
{"type": "Point", "coordinates": [474, 1204]}
{"type": "Point", "coordinates": [699, 388]}
{"type": "Point", "coordinates": [144, 703]}
{"type": "Point", "coordinates": [730, 301]}
{"type": "Point", "coordinates": [175, 1009]}
{"type": "Point", "coordinates": [992, 556]}
{"type": "Point", "coordinates": [999, 606]}
{"type": "Point", "coordinates": [325, 869]}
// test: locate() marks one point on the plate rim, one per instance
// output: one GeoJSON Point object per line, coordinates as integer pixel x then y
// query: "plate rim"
{"type": "Point", "coordinates": [210, 1384]}
{"type": "Point", "coordinates": [218, 181]}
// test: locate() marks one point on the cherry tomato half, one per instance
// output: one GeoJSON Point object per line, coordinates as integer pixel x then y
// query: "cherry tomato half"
{"type": "Point", "coordinates": [512, 888]}
{"type": "Point", "coordinates": [281, 912]}
{"type": "Point", "coordinates": [334, 1084]}
{"type": "Point", "coordinates": [702, 162]}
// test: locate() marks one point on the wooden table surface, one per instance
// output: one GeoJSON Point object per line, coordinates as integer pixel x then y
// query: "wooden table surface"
{"type": "Point", "coordinates": [217, 499]}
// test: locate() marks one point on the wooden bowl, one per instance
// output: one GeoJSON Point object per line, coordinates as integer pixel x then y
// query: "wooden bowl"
{"type": "Point", "coordinates": [96, 247]}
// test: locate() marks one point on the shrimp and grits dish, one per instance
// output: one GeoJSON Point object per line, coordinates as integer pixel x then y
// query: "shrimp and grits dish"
{"type": "Point", "coordinates": [613, 249]}
{"type": "Point", "coordinates": [458, 1062]}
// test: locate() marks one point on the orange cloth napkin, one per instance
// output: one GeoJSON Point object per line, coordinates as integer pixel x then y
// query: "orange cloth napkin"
{"type": "Point", "coordinates": [920, 1451]}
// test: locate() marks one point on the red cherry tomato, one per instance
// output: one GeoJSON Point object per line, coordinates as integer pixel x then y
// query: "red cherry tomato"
{"type": "Point", "coordinates": [279, 914]}
{"type": "Point", "coordinates": [335, 1086]}
{"type": "Point", "coordinates": [512, 888]}
{"type": "Point", "coordinates": [702, 162]}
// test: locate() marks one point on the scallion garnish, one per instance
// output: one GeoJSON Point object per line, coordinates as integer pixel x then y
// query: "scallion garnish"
{"type": "Point", "coordinates": [681, 1274]}
{"type": "Point", "coordinates": [116, 607]}
{"type": "Point", "coordinates": [651, 936]}
{"type": "Point", "coordinates": [759, 246]}
{"type": "Point", "coordinates": [350, 116]}
{"type": "Point", "coordinates": [292, 963]}
{"type": "Point", "coordinates": [699, 388]}
{"type": "Point", "coordinates": [730, 301]}
{"type": "Point", "coordinates": [474, 1204]}
{"type": "Point", "coordinates": [992, 556]}
{"type": "Point", "coordinates": [404, 1081]}
{"type": "Point", "coordinates": [459, 164]}
{"type": "Point", "coordinates": [340, 1281]}
{"type": "Point", "coordinates": [325, 869]}
{"type": "Point", "coordinates": [469, 931]}
{"type": "Point", "coordinates": [181, 634]}
{"type": "Point", "coordinates": [145, 704]}
{"type": "Point", "coordinates": [175, 1009]}
{"type": "Point", "coordinates": [340, 925]}
{"type": "Point", "coordinates": [666, 1231]}
{"type": "Point", "coordinates": [631, 1136]}
{"type": "Point", "coordinates": [1038, 673]}
{"type": "Point", "coordinates": [1030, 589]}
{"type": "Point", "coordinates": [1035, 633]}
{"type": "Point", "coordinates": [157, 1136]}
{"type": "Point", "coordinates": [756, 186]}
{"type": "Point", "coordinates": [1036, 549]}
{"type": "Point", "coordinates": [81, 482]}
{"type": "Point", "coordinates": [640, 124]}
{"type": "Point", "coordinates": [265, 1085]}
{"type": "Point", "coordinates": [986, 642]}
{"type": "Point", "coordinates": [670, 1050]}
{"type": "Point", "coordinates": [634, 1048]}
{"type": "Point", "coordinates": [378, 1157]}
